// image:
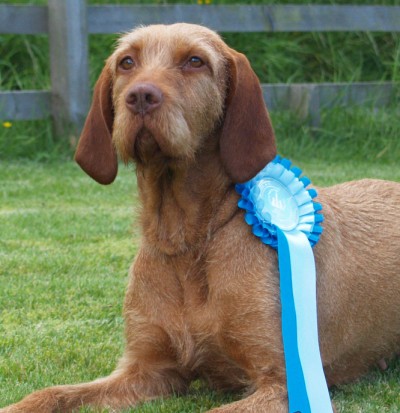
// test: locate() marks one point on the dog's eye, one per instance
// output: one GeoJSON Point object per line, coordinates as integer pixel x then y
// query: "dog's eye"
{"type": "Point", "coordinates": [127, 63]}
{"type": "Point", "coordinates": [195, 62]}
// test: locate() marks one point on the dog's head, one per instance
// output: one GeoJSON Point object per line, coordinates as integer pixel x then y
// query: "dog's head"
{"type": "Point", "coordinates": [163, 92]}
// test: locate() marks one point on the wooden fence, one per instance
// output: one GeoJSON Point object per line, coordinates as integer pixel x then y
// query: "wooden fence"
{"type": "Point", "coordinates": [68, 23]}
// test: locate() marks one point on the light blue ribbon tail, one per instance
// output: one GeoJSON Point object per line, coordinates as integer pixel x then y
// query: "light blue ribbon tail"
{"type": "Point", "coordinates": [307, 388]}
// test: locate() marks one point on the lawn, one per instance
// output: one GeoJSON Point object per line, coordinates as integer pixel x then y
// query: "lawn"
{"type": "Point", "coordinates": [65, 247]}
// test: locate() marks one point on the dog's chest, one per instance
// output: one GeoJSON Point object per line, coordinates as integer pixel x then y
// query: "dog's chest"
{"type": "Point", "coordinates": [199, 321]}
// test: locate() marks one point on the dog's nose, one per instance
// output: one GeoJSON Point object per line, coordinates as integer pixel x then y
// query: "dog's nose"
{"type": "Point", "coordinates": [143, 98]}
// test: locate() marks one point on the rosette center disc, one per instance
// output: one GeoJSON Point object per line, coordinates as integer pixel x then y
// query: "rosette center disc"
{"type": "Point", "coordinates": [275, 204]}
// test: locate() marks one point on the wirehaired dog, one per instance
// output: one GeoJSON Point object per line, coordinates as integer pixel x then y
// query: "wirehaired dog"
{"type": "Point", "coordinates": [203, 294]}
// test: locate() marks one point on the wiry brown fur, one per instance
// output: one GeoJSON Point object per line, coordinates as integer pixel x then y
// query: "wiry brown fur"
{"type": "Point", "coordinates": [203, 296]}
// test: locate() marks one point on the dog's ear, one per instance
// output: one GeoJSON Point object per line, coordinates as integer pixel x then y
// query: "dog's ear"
{"type": "Point", "coordinates": [247, 140]}
{"type": "Point", "coordinates": [95, 153]}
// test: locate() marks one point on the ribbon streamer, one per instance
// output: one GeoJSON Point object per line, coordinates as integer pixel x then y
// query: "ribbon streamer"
{"type": "Point", "coordinates": [307, 389]}
{"type": "Point", "coordinates": [283, 215]}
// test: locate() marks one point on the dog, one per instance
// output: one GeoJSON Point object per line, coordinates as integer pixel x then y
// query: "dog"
{"type": "Point", "coordinates": [203, 294]}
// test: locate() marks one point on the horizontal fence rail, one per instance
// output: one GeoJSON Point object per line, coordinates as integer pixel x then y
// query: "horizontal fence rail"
{"type": "Point", "coordinates": [25, 19]}
{"type": "Point", "coordinates": [302, 99]}
{"type": "Point", "coordinates": [242, 18]}
{"type": "Point", "coordinates": [307, 99]}
{"type": "Point", "coordinates": [298, 96]}
{"type": "Point", "coordinates": [25, 105]}
{"type": "Point", "coordinates": [69, 22]}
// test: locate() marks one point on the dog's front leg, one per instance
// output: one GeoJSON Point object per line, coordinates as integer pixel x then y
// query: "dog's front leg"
{"type": "Point", "coordinates": [143, 374]}
{"type": "Point", "coordinates": [149, 367]}
{"type": "Point", "coordinates": [121, 390]}
{"type": "Point", "coordinates": [271, 399]}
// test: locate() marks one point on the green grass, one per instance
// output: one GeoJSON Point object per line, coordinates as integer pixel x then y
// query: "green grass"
{"type": "Point", "coordinates": [65, 247]}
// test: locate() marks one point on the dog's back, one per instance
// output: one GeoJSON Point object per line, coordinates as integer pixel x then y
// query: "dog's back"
{"type": "Point", "coordinates": [358, 263]}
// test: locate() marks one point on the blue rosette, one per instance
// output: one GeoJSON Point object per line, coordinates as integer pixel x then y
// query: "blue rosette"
{"type": "Point", "coordinates": [277, 198]}
{"type": "Point", "coordinates": [283, 213]}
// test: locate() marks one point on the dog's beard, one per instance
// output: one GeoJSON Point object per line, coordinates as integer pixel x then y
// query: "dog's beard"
{"type": "Point", "coordinates": [133, 140]}
{"type": "Point", "coordinates": [159, 137]}
{"type": "Point", "coordinates": [146, 147]}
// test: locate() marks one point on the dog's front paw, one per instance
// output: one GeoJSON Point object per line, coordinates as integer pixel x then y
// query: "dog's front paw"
{"type": "Point", "coordinates": [48, 400]}
{"type": "Point", "coordinates": [256, 406]}
{"type": "Point", "coordinates": [256, 403]}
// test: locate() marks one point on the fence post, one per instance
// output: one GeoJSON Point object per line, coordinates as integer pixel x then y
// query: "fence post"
{"type": "Point", "coordinates": [68, 37]}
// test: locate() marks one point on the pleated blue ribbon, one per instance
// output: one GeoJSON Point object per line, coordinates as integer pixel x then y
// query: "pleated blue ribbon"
{"type": "Point", "coordinates": [282, 214]}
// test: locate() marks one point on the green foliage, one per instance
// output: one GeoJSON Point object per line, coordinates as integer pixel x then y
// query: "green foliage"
{"type": "Point", "coordinates": [320, 57]}
{"type": "Point", "coordinates": [358, 134]}
{"type": "Point", "coordinates": [24, 62]}
{"type": "Point", "coordinates": [32, 140]}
